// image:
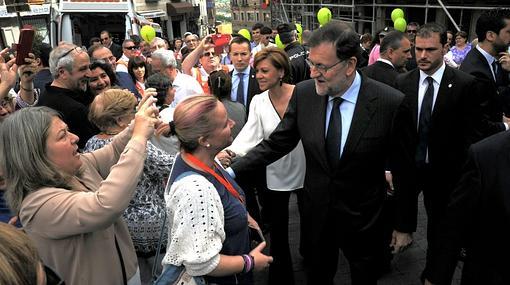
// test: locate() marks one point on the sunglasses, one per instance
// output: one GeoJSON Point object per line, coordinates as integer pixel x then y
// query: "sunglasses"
{"type": "Point", "coordinates": [104, 39]}
{"type": "Point", "coordinates": [412, 31]}
{"type": "Point", "coordinates": [131, 48]}
{"type": "Point", "coordinates": [78, 49]}
{"type": "Point", "coordinates": [209, 54]}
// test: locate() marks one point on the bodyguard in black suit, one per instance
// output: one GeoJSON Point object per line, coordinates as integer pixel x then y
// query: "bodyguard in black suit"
{"type": "Point", "coordinates": [434, 127]}
{"type": "Point", "coordinates": [344, 121]}
{"type": "Point", "coordinates": [478, 216]}
{"type": "Point", "coordinates": [395, 52]}
{"type": "Point", "coordinates": [483, 62]}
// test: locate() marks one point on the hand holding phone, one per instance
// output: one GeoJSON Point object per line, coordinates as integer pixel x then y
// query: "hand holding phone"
{"type": "Point", "coordinates": [24, 46]}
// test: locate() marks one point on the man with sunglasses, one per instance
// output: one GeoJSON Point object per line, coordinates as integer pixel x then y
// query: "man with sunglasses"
{"type": "Point", "coordinates": [344, 121]}
{"type": "Point", "coordinates": [69, 65]}
{"type": "Point", "coordinates": [129, 51]}
{"type": "Point", "coordinates": [201, 62]}
{"type": "Point", "coordinates": [107, 41]}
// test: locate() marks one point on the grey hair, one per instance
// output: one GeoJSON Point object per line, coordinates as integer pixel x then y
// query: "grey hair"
{"type": "Point", "coordinates": [158, 41]}
{"type": "Point", "coordinates": [56, 60]}
{"type": "Point", "coordinates": [166, 57]}
{"type": "Point", "coordinates": [26, 166]}
{"type": "Point", "coordinates": [392, 40]}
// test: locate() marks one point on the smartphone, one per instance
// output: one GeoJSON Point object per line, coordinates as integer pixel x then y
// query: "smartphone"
{"type": "Point", "coordinates": [24, 46]}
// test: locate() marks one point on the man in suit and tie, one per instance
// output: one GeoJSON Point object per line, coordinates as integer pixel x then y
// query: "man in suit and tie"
{"type": "Point", "coordinates": [395, 53]}
{"type": "Point", "coordinates": [478, 217]}
{"type": "Point", "coordinates": [483, 62]}
{"type": "Point", "coordinates": [344, 121]}
{"type": "Point", "coordinates": [244, 83]}
{"type": "Point", "coordinates": [436, 123]}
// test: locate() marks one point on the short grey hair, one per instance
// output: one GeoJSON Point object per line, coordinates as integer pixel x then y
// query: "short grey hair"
{"type": "Point", "coordinates": [166, 57]}
{"type": "Point", "coordinates": [56, 60]}
{"type": "Point", "coordinates": [26, 166]}
{"type": "Point", "coordinates": [158, 41]}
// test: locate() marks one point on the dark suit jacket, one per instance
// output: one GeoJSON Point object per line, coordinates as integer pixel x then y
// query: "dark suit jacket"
{"type": "Point", "coordinates": [454, 126]}
{"type": "Point", "coordinates": [479, 214]}
{"type": "Point", "coordinates": [116, 50]}
{"type": "Point", "coordinates": [354, 192]}
{"type": "Point", "coordinates": [492, 99]}
{"type": "Point", "coordinates": [253, 88]}
{"type": "Point", "coordinates": [381, 72]}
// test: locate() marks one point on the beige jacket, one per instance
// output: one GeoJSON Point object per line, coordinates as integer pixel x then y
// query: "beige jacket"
{"type": "Point", "coordinates": [75, 230]}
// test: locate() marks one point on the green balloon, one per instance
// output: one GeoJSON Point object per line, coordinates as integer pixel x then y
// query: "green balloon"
{"type": "Point", "coordinates": [278, 42]}
{"type": "Point", "coordinates": [324, 16]}
{"type": "Point", "coordinates": [147, 33]}
{"type": "Point", "coordinates": [245, 33]}
{"type": "Point", "coordinates": [397, 14]}
{"type": "Point", "coordinates": [400, 24]}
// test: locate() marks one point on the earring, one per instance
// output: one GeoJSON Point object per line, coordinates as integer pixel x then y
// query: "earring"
{"type": "Point", "coordinates": [281, 81]}
{"type": "Point", "coordinates": [208, 145]}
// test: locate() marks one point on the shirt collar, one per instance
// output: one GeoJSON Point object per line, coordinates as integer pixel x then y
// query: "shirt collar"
{"type": "Point", "coordinates": [437, 76]}
{"type": "Point", "coordinates": [351, 94]}
{"type": "Point", "coordinates": [245, 71]}
{"type": "Point", "coordinates": [386, 61]}
{"type": "Point", "coordinates": [487, 55]}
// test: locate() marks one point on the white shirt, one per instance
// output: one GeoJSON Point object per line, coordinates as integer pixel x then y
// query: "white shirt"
{"type": "Point", "coordinates": [235, 84]}
{"type": "Point", "coordinates": [423, 85]}
{"type": "Point", "coordinates": [261, 47]}
{"type": "Point", "coordinates": [169, 144]}
{"type": "Point", "coordinates": [285, 174]}
{"type": "Point", "coordinates": [386, 61]}
{"type": "Point", "coordinates": [185, 86]}
{"type": "Point", "coordinates": [121, 67]}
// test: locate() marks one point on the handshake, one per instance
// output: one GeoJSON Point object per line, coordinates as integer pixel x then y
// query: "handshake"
{"type": "Point", "coordinates": [225, 157]}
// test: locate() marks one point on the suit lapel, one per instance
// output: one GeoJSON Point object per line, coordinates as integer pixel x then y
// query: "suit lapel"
{"type": "Point", "coordinates": [411, 91]}
{"type": "Point", "coordinates": [445, 88]}
{"type": "Point", "coordinates": [363, 112]}
{"type": "Point", "coordinates": [319, 129]}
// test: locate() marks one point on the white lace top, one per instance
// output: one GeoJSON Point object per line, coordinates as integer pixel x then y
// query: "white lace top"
{"type": "Point", "coordinates": [195, 225]}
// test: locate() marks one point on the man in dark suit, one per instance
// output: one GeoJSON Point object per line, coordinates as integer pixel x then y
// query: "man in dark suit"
{"type": "Point", "coordinates": [107, 41]}
{"type": "Point", "coordinates": [478, 217]}
{"type": "Point", "coordinates": [483, 62]}
{"type": "Point", "coordinates": [434, 127]}
{"type": "Point", "coordinates": [343, 120]}
{"type": "Point", "coordinates": [240, 55]}
{"type": "Point", "coordinates": [395, 52]}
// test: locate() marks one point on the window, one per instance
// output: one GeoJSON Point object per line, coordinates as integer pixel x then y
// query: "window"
{"type": "Point", "coordinates": [242, 16]}
{"type": "Point", "coordinates": [249, 17]}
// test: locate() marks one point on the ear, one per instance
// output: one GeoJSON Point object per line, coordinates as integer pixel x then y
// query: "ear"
{"type": "Point", "coordinates": [491, 36]}
{"type": "Point", "coordinates": [351, 66]}
{"type": "Point", "coordinates": [202, 141]}
{"type": "Point", "coordinates": [38, 60]}
{"type": "Point", "coordinates": [446, 47]}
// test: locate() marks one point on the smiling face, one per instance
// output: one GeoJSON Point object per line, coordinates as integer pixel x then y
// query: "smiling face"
{"type": "Point", "coordinates": [62, 147]}
{"type": "Point", "coordinates": [337, 79]}
{"type": "Point", "coordinates": [78, 78]}
{"type": "Point", "coordinates": [139, 72]}
{"type": "Point", "coordinates": [267, 74]}
{"type": "Point", "coordinates": [209, 60]}
{"type": "Point", "coordinates": [99, 81]}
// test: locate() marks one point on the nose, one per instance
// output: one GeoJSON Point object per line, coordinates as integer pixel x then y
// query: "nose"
{"type": "Point", "coordinates": [314, 73]}
{"type": "Point", "coordinates": [74, 138]}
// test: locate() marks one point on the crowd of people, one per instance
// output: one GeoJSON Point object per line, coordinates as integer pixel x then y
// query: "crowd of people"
{"type": "Point", "coordinates": [157, 162]}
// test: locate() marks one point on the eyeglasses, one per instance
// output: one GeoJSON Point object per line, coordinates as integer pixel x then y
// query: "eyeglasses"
{"type": "Point", "coordinates": [131, 48]}
{"type": "Point", "coordinates": [104, 39]}
{"type": "Point", "coordinates": [77, 48]}
{"type": "Point", "coordinates": [321, 67]}
{"type": "Point", "coordinates": [209, 54]}
{"type": "Point", "coordinates": [412, 31]}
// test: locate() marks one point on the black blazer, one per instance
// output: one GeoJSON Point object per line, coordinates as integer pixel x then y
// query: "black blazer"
{"type": "Point", "coordinates": [354, 192]}
{"type": "Point", "coordinates": [493, 98]}
{"type": "Point", "coordinates": [253, 88]}
{"type": "Point", "coordinates": [116, 50]}
{"type": "Point", "coordinates": [381, 72]}
{"type": "Point", "coordinates": [478, 217]}
{"type": "Point", "coordinates": [454, 126]}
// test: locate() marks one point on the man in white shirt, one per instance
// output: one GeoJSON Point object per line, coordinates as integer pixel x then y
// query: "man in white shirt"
{"type": "Point", "coordinates": [129, 50]}
{"type": "Point", "coordinates": [164, 61]}
{"type": "Point", "coordinates": [265, 35]}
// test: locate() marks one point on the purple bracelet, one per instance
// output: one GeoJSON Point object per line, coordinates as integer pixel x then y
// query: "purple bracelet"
{"type": "Point", "coordinates": [249, 263]}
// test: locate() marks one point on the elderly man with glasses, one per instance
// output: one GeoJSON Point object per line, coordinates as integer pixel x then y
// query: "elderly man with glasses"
{"type": "Point", "coordinates": [344, 121]}
{"type": "Point", "coordinates": [129, 51]}
{"type": "Point", "coordinates": [69, 66]}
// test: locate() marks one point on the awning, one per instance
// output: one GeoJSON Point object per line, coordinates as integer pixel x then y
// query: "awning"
{"type": "Point", "coordinates": [152, 14]}
{"type": "Point", "coordinates": [175, 9]}
{"type": "Point", "coordinates": [34, 11]}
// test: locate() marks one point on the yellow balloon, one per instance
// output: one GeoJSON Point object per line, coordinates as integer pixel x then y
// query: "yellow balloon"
{"type": "Point", "coordinates": [400, 24]}
{"type": "Point", "coordinates": [324, 16]}
{"type": "Point", "coordinates": [299, 29]}
{"type": "Point", "coordinates": [397, 14]}
{"type": "Point", "coordinates": [278, 42]}
{"type": "Point", "coordinates": [147, 33]}
{"type": "Point", "coordinates": [245, 33]}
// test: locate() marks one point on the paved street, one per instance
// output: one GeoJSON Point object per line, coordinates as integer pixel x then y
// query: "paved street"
{"type": "Point", "coordinates": [407, 266]}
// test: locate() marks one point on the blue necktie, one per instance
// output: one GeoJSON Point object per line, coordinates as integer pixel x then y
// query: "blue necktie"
{"type": "Point", "coordinates": [240, 89]}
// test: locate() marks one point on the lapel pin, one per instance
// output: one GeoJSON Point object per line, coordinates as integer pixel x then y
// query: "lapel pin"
{"type": "Point", "coordinates": [450, 85]}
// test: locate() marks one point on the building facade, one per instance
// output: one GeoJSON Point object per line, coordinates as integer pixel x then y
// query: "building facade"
{"type": "Point", "coordinates": [245, 13]}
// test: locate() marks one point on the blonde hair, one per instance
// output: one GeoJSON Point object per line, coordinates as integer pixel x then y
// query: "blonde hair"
{"type": "Point", "coordinates": [192, 119]}
{"type": "Point", "coordinates": [110, 105]}
{"type": "Point", "coordinates": [19, 259]}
